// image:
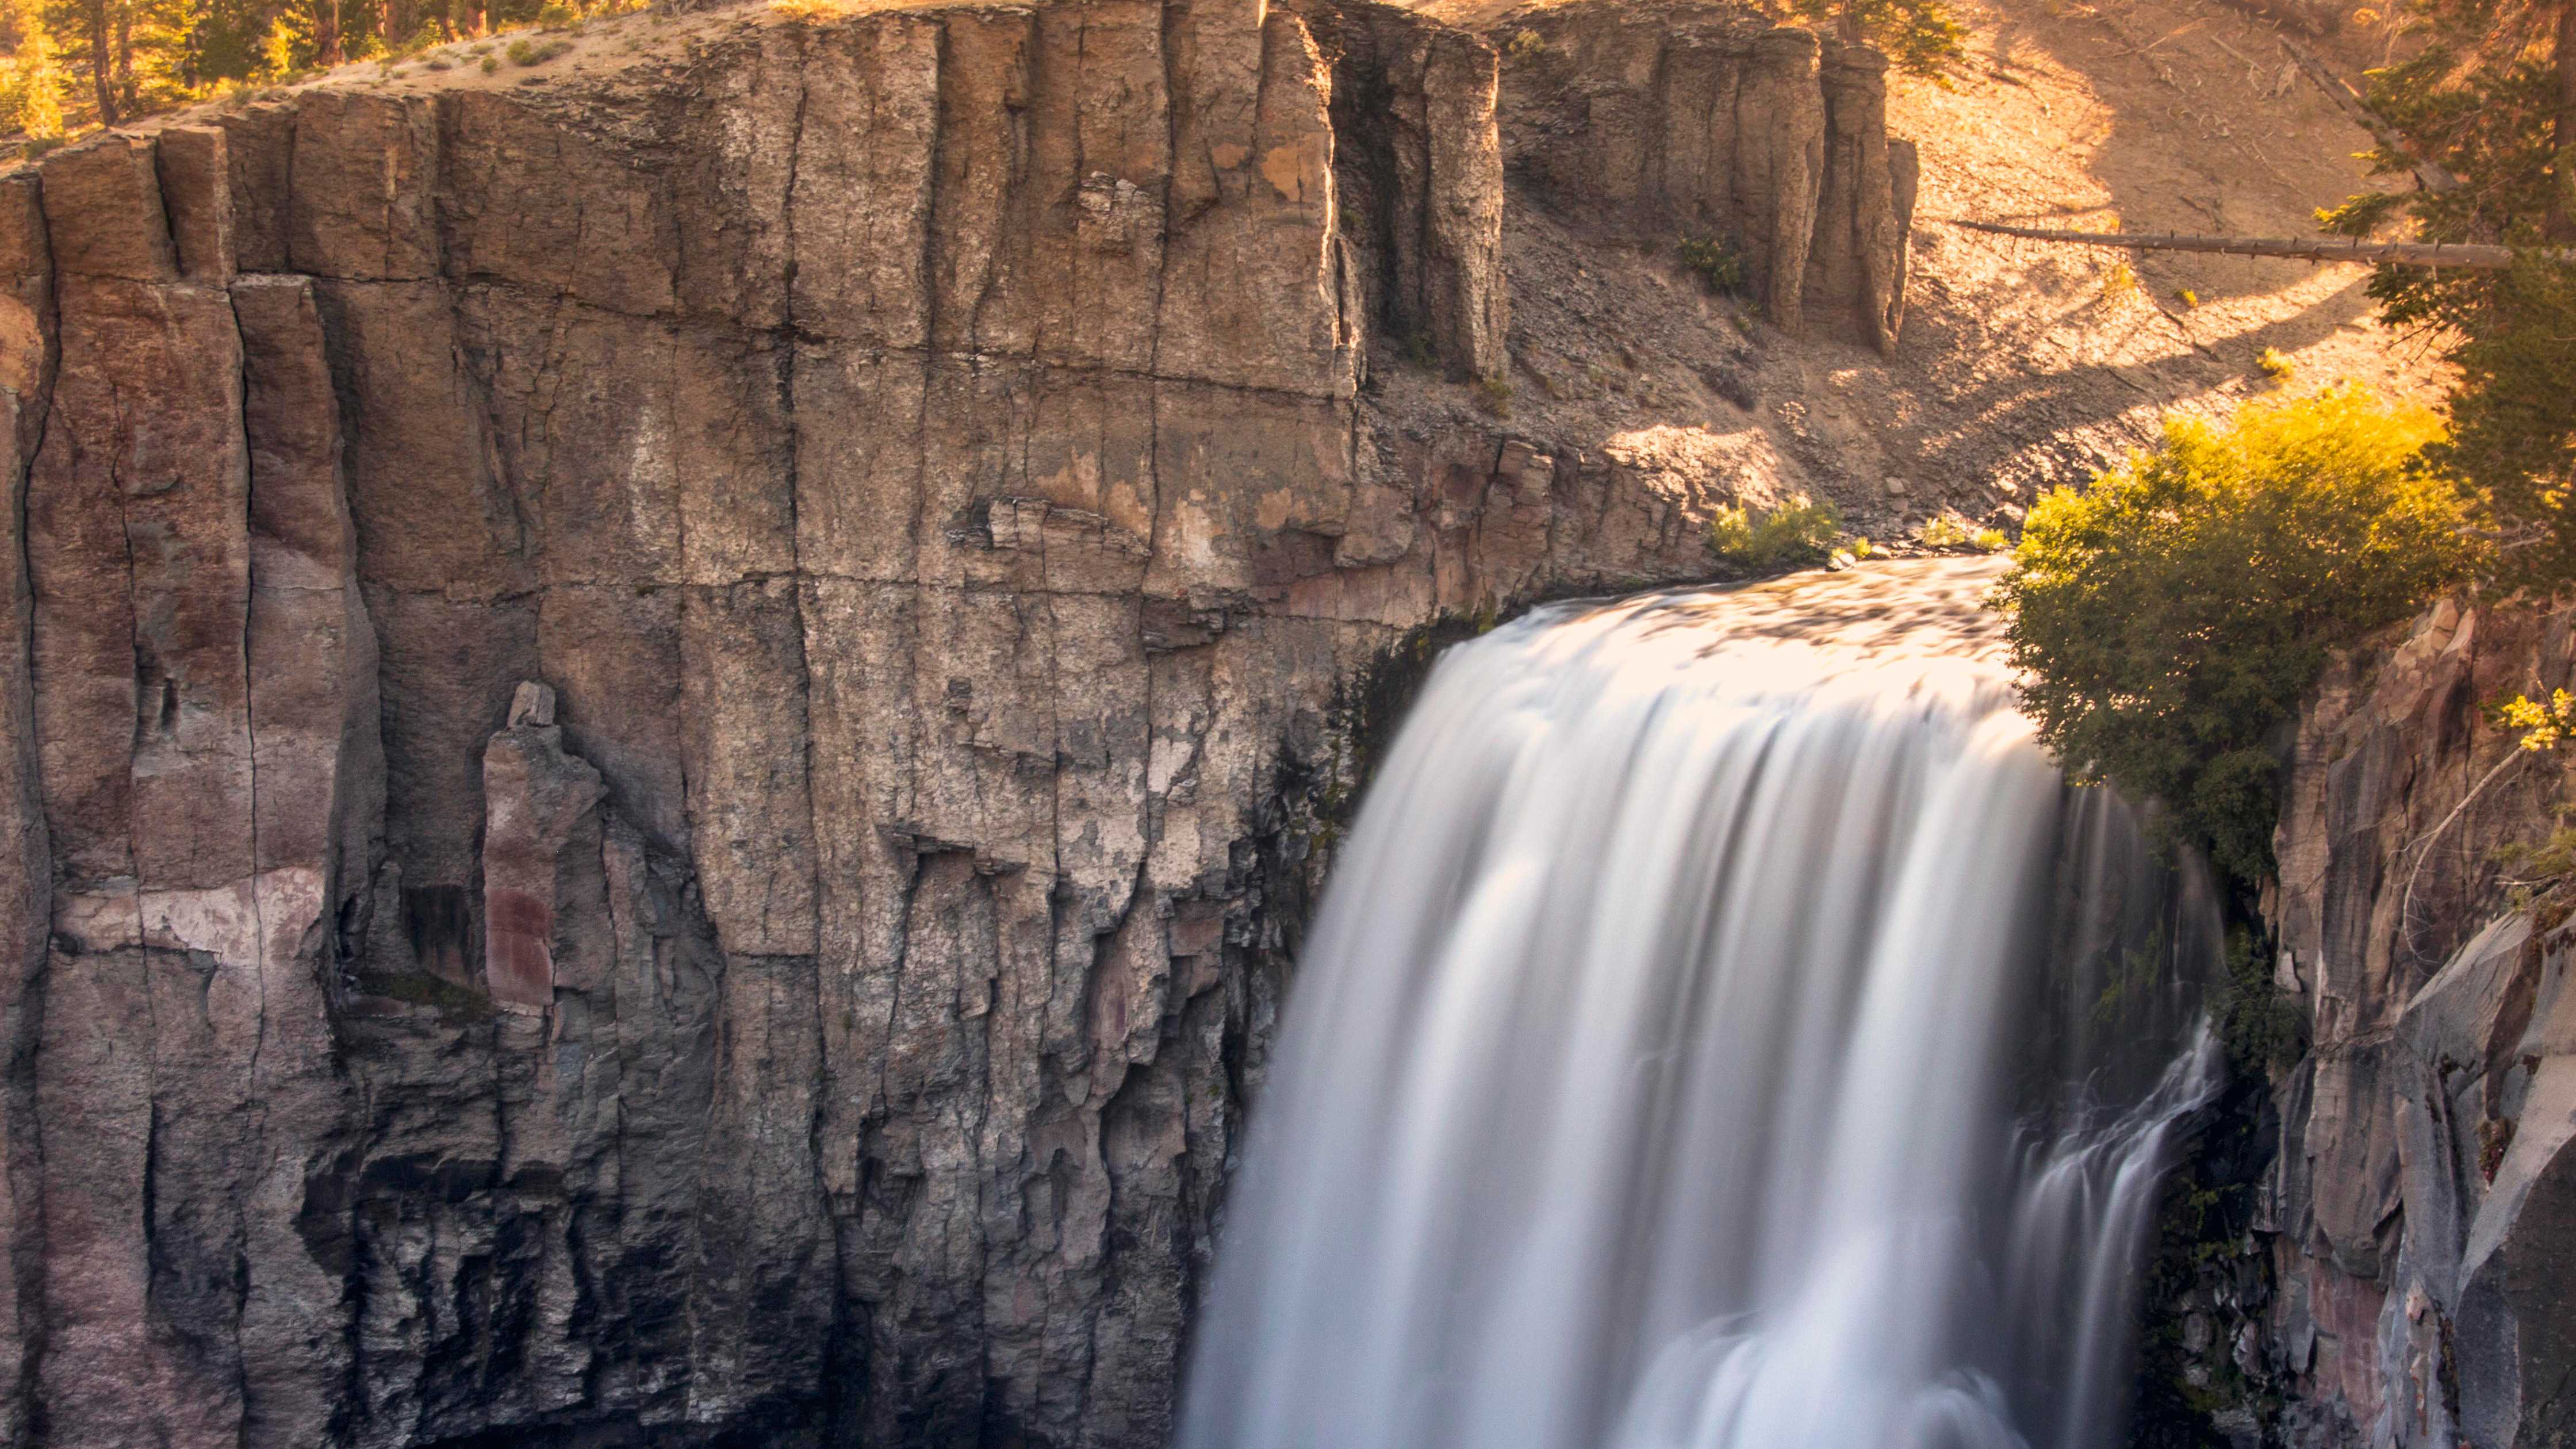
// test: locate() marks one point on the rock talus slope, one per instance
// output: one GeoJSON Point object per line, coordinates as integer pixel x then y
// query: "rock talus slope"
{"type": "Point", "coordinates": [662, 738]}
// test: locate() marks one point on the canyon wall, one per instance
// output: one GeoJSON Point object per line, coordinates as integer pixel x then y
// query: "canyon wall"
{"type": "Point", "coordinates": [2424, 1199]}
{"type": "Point", "coordinates": [666, 736]}
{"type": "Point", "coordinates": [2397, 1277]}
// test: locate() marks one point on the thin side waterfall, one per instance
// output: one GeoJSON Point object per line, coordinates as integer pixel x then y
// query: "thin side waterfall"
{"type": "Point", "coordinates": [1723, 1030]}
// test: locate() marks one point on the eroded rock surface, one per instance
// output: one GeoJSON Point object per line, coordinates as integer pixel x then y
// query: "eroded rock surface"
{"type": "Point", "coordinates": [2422, 1204]}
{"type": "Point", "coordinates": [663, 739]}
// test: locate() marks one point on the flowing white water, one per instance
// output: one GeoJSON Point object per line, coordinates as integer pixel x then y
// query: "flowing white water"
{"type": "Point", "coordinates": [1723, 1030]}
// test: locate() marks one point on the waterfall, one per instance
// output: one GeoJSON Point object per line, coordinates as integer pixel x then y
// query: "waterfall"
{"type": "Point", "coordinates": [1724, 1029]}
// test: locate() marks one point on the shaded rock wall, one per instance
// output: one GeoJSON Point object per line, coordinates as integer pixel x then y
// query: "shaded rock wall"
{"type": "Point", "coordinates": [662, 738]}
{"type": "Point", "coordinates": [2422, 1206]}
{"type": "Point", "coordinates": [1702, 120]}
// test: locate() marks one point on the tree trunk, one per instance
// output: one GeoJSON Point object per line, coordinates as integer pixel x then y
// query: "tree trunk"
{"type": "Point", "coordinates": [326, 33]}
{"type": "Point", "coordinates": [102, 62]}
{"type": "Point", "coordinates": [2312, 249]}
{"type": "Point", "coordinates": [2559, 222]}
{"type": "Point", "coordinates": [129, 95]}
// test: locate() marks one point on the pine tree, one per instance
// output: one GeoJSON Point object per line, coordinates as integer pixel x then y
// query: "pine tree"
{"type": "Point", "coordinates": [2491, 101]}
{"type": "Point", "coordinates": [31, 82]}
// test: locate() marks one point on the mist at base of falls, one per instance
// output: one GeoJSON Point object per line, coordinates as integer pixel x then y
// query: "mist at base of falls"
{"type": "Point", "coordinates": [1724, 1029]}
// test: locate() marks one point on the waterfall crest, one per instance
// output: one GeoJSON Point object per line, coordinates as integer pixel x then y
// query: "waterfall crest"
{"type": "Point", "coordinates": [1723, 1030]}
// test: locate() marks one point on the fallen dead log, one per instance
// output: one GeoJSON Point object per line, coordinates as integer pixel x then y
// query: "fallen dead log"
{"type": "Point", "coordinates": [2313, 249]}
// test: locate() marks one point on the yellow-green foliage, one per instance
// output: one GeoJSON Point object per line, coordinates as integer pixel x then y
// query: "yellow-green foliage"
{"type": "Point", "coordinates": [2120, 283]}
{"type": "Point", "coordinates": [1946, 531]}
{"type": "Point", "coordinates": [31, 88]}
{"type": "Point", "coordinates": [1525, 46]}
{"type": "Point", "coordinates": [2274, 365]}
{"type": "Point", "coordinates": [1797, 534]}
{"type": "Point", "coordinates": [2170, 616]}
{"type": "Point", "coordinates": [1720, 266]}
{"type": "Point", "coordinates": [2544, 723]}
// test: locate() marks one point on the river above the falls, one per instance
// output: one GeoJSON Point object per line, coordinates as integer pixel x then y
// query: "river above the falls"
{"type": "Point", "coordinates": [1724, 1029]}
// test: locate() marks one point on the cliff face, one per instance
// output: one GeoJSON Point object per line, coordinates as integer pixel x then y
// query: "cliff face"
{"type": "Point", "coordinates": [662, 734]}
{"type": "Point", "coordinates": [1703, 122]}
{"type": "Point", "coordinates": [2420, 1211]}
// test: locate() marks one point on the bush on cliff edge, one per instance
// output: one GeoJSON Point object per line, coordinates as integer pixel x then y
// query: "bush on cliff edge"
{"type": "Point", "coordinates": [2170, 616]}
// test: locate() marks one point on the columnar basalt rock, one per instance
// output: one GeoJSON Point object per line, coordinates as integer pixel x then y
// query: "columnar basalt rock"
{"type": "Point", "coordinates": [645, 721]}
{"type": "Point", "coordinates": [1701, 121]}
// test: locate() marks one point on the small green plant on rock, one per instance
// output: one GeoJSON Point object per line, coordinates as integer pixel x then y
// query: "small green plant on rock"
{"type": "Point", "coordinates": [1719, 265]}
{"type": "Point", "coordinates": [2545, 725]}
{"type": "Point", "coordinates": [1493, 394]}
{"type": "Point", "coordinates": [529, 52]}
{"type": "Point", "coordinates": [2274, 366]}
{"type": "Point", "coordinates": [2258, 1025]}
{"type": "Point", "coordinates": [2535, 868]}
{"type": "Point", "coordinates": [1797, 534]}
{"type": "Point", "coordinates": [1525, 46]}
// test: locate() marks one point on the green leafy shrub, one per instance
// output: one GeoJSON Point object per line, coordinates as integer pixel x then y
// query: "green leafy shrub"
{"type": "Point", "coordinates": [2545, 723]}
{"type": "Point", "coordinates": [2258, 1025]}
{"type": "Point", "coordinates": [557, 13]}
{"type": "Point", "coordinates": [2170, 616]}
{"type": "Point", "coordinates": [1947, 531]}
{"type": "Point", "coordinates": [1525, 46]}
{"type": "Point", "coordinates": [529, 52]}
{"type": "Point", "coordinates": [1493, 394]}
{"type": "Point", "coordinates": [1797, 534]}
{"type": "Point", "coordinates": [1720, 266]}
{"type": "Point", "coordinates": [2275, 366]}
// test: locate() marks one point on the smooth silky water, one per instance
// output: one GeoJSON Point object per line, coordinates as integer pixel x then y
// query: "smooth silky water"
{"type": "Point", "coordinates": [1723, 1029]}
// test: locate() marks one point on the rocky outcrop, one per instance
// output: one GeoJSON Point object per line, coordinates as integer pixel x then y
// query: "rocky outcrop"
{"type": "Point", "coordinates": [662, 735]}
{"type": "Point", "coordinates": [2422, 1205]}
{"type": "Point", "coordinates": [1704, 121]}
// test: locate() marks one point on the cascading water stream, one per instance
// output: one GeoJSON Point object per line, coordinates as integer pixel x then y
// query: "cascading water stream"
{"type": "Point", "coordinates": [1723, 1029]}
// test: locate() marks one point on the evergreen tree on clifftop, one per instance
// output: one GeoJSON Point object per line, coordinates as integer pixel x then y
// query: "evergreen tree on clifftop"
{"type": "Point", "coordinates": [2485, 116]}
{"type": "Point", "coordinates": [1919, 37]}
